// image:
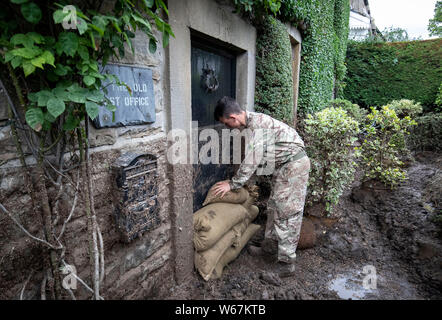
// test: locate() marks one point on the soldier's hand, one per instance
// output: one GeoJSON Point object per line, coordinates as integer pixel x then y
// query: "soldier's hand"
{"type": "Point", "coordinates": [221, 188]}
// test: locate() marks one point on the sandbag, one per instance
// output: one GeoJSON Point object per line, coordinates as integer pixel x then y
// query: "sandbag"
{"type": "Point", "coordinates": [211, 222]}
{"type": "Point", "coordinates": [307, 238]}
{"type": "Point", "coordinates": [234, 196]}
{"type": "Point", "coordinates": [232, 252]}
{"type": "Point", "coordinates": [241, 227]}
{"type": "Point", "coordinates": [205, 261]}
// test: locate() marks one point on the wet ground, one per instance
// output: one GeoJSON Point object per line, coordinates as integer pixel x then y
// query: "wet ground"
{"type": "Point", "coordinates": [379, 244]}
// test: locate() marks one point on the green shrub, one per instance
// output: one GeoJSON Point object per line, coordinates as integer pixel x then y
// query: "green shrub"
{"type": "Point", "coordinates": [352, 109]}
{"type": "Point", "coordinates": [381, 148]}
{"type": "Point", "coordinates": [427, 135]}
{"type": "Point", "coordinates": [274, 82]}
{"type": "Point", "coordinates": [378, 73]}
{"type": "Point", "coordinates": [406, 107]}
{"type": "Point", "coordinates": [330, 135]}
{"type": "Point", "coordinates": [438, 101]}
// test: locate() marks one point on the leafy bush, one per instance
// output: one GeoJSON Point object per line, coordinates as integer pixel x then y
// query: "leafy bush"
{"type": "Point", "coordinates": [330, 135]}
{"type": "Point", "coordinates": [352, 109]}
{"type": "Point", "coordinates": [438, 101]}
{"type": "Point", "coordinates": [382, 147]}
{"type": "Point", "coordinates": [406, 107]}
{"type": "Point", "coordinates": [378, 73]}
{"type": "Point", "coordinates": [427, 135]}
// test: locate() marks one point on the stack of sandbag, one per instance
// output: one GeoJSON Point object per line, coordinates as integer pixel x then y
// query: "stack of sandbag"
{"type": "Point", "coordinates": [221, 229]}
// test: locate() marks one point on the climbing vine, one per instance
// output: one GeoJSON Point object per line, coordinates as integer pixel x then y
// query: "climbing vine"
{"type": "Point", "coordinates": [52, 55]}
{"type": "Point", "coordinates": [324, 28]}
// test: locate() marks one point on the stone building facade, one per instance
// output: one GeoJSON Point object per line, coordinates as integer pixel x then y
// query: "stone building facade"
{"type": "Point", "coordinates": [150, 264]}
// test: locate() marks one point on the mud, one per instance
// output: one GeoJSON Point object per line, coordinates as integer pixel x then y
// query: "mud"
{"type": "Point", "coordinates": [379, 244]}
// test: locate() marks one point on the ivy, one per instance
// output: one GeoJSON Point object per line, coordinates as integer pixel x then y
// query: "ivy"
{"type": "Point", "coordinates": [324, 28]}
{"type": "Point", "coordinates": [65, 61]}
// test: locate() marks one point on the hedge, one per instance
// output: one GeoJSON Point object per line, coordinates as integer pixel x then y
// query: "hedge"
{"type": "Point", "coordinates": [378, 73]}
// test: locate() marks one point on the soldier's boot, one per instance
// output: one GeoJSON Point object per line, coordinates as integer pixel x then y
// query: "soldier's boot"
{"type": "Point", "coordinates": [284, 269]}
{"type": "Point", "coordinates": [268, 250]}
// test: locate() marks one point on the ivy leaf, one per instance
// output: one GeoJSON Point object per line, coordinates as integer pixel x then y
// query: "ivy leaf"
{"type": "Point", "coordinates": [38, 62]}
{"type": "Point", "coordinates": [16, 62]}
{"type": "Point", "coordinates": [77, 97]}
{"type": "Point", "coordinates": [83, 52]}
{"type": "Point", "coordinates": [69, 43]}
{"type": "Point", "coordinates": [71, 123]}
{"type": "Point", "coordinates": [92, 109]}
{"type": "Point", "coordinates": [61, 70]}
{"type": "Point", "coordinates": [152, 46]}
{"type": "Point", "coordinates": [81, 26]}
{"type": "Point", "coordinates": [23, 39]}
{"type": "Point", "coordinates": [27, 53]}
{"type": "Point", "coordinates": [96, 96]}
{"type": "Point", "coordinates": [88, 80]}
{"type": "Point", "coordinates": [31, 12]}
{"type": "Point", "coordinates": [165, 39]}
{"type": "Point", "coordinates": [34, 118]}
{"type": "Point", "coordinates": [43, 97]}
{"type": "Point", "coordinates": [56, 106]}
{"type": "Point", "coordinates": [59, 15]}
{"type": "Point", "coordinates": [28, 68]}
{"type": "Point", "coordinates": [49, 58]}
{"type": "Point", "coordinates": [36, 37]}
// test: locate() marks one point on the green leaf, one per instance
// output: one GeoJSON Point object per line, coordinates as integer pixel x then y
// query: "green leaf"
{"type": "Point", "coordinates": [31, 12]}
{"type": "Point", "coordinates": [92, 109]}
{"type": "Point", "coordinates": [27, 53]}
{"type": "Point", "coordinates": [81, 26]}
{"type": "Point", "coordinates": [152, 46]}
{"type": "Point", "coordinates": [165, 39]}
{"type": "Point", "coordinates": [22, 39]}
{"type": "Point", "coordinates": [28, 68]}
{"type": "Point", "coordinates": [69, 43]}
{"type": "Point", "coordinates": [71, 123]}
{"type": "Point", "coordinates": [111, 107]}
{"type": "Point", "coordinates": [61, 93]}
{"type": "Point", "coordinates": [16, 62]}
{"type": "Point", "coordinates": [38, 62]}
{"type": "Point", "coordinates": [49, 58]}
{"type": "Point", "coordinates": [19, 1]}
{"type": "Point", "coordinates": [142, 21]}
{"type": "Point", "coordinates": [43, 97]}
{"type": "Point", "coordinates": [88, 80]}
{"type": "Point", "coordinates": [59, 15]}
{"type": "Point", "coordinates": [77, 97]}
{"type": "Point", "coordinates": [61, 70]}
{"type": "Point", "coordinates": [34, 118]}
{"type": "Point", "coordinates": [36, 37]}
{"type": "Point", "coordinates": [56, 106]}
{"type": "Point", "coordinates": [83, 52]}
{"type": "Point", "coordinates": [9, 56]}
{"type": "Point", "coordinates": [96, 96]}
{"type": "Point", "coordinates": [49, 117]}
{"type": "Point", "coordinates": [32, 96]}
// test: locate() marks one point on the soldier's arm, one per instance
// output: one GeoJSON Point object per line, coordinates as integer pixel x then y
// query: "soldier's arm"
{"type": "Point", "coordinates": [254, 153]}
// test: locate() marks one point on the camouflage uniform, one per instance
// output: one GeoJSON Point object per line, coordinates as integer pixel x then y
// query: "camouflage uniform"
{"type": "Point", "coordinates": [284, 150]}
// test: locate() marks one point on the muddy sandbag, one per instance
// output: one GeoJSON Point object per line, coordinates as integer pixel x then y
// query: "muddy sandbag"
{"type": "Point", "coordinates": [232, 252]}
{"type": "Point", "coordinates": [211, 222]}
{"type": "Point", "coordinates": [234, 196]}
{"type": "Point", "coordinates": [205, 261]}
{"type": "Point", "coordinates": [240, 228]}
{"type": "Point", "coordinates": [307, 238]}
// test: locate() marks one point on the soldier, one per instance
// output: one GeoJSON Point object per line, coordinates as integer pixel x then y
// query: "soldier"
{"type": "Point", "coordinates": [285, 149]}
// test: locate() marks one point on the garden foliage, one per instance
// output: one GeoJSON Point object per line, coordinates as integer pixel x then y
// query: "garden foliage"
{"type": "Point", "coordinates": [330, 137]}
{"type": "Point", "coordinates": [378, 73]}
{"type": "Point", "coordinates": [383, 145]}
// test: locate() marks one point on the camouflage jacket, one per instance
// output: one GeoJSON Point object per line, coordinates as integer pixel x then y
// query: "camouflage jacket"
{"type": "Point", "coordinates": [268, 141]}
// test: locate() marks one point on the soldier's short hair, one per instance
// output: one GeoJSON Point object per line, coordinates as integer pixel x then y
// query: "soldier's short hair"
{"type": "Point", "coordinates": [225, 107]}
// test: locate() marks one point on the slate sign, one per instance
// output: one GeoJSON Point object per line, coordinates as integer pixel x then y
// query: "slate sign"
{"type": "Point", "coordinates": [138, 108]}
{"type": "Point", "coordinates": [135, 197]}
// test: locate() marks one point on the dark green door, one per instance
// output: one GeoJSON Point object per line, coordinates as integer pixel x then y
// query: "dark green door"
{"type": "Point", "coordinates": [213, 76]}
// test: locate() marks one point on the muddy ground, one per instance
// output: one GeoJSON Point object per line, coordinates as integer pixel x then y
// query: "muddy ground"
{"type": "Point", "coordinates": [391, 233]}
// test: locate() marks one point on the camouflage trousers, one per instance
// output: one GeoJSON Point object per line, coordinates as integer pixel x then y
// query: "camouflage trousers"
{"type": "Point", "coordinates": [286, 207]}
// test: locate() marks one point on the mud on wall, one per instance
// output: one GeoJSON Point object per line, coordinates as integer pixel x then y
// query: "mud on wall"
{"type": "Point", "coordinates": [132, 271]}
